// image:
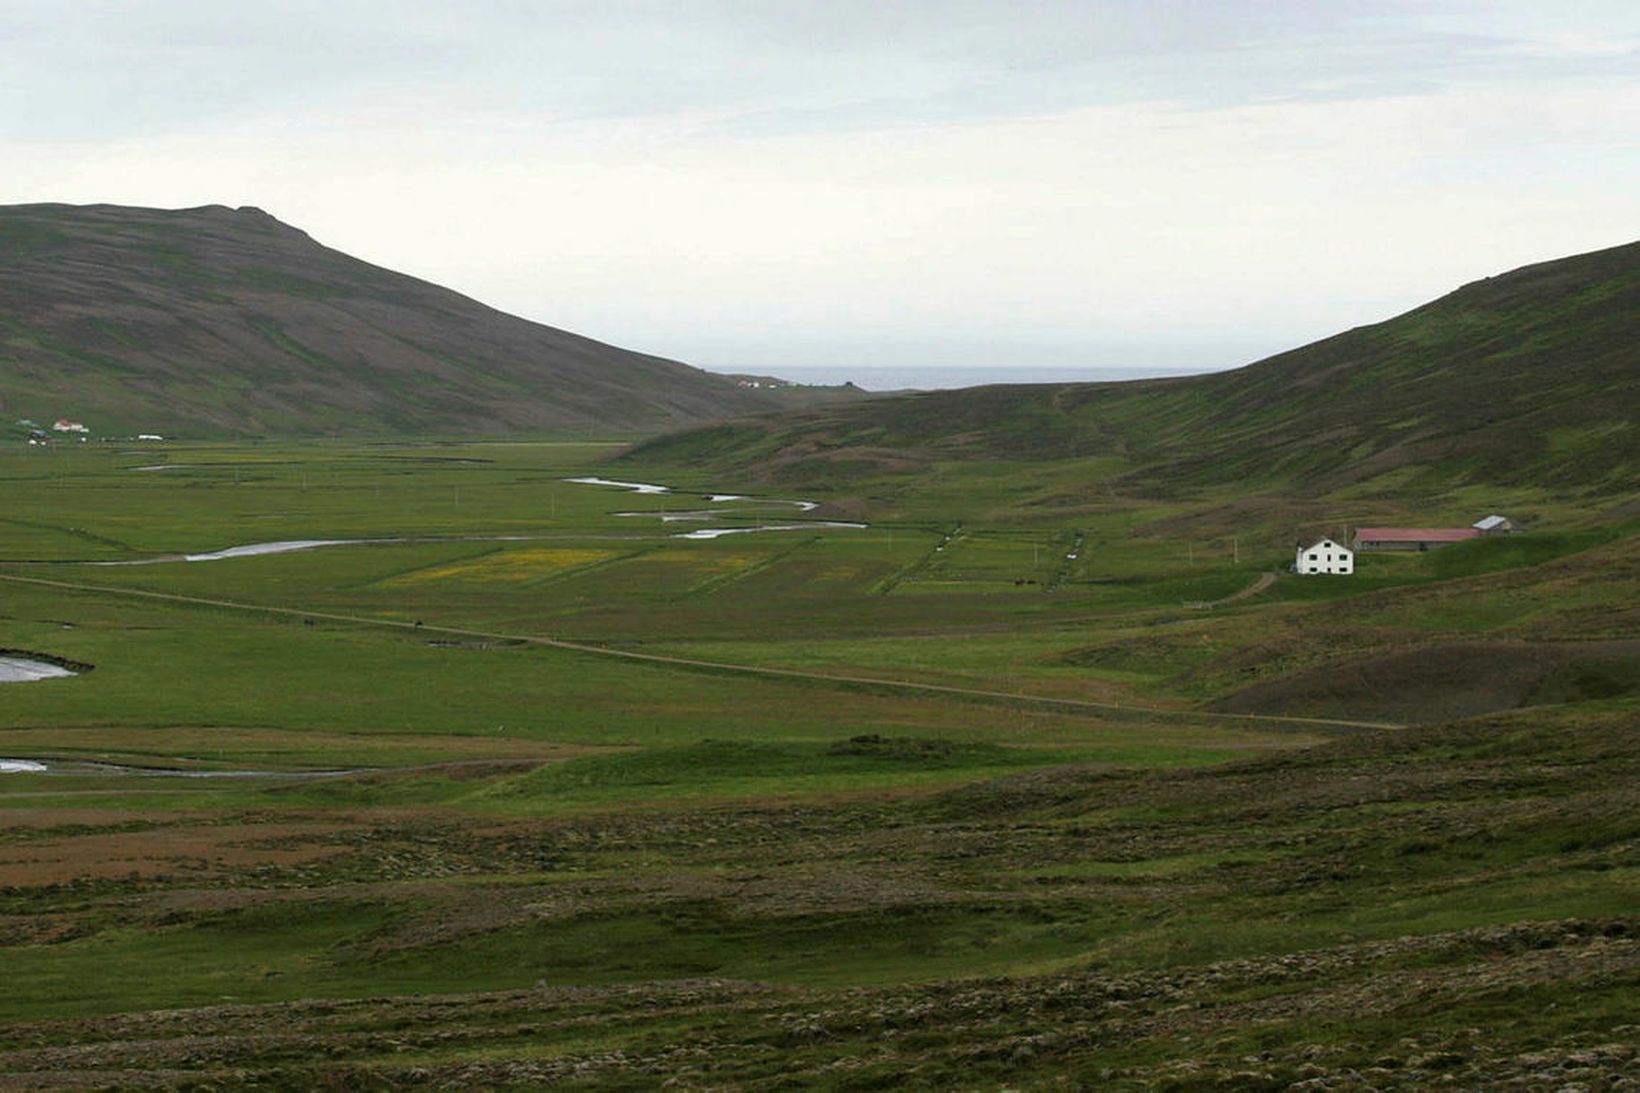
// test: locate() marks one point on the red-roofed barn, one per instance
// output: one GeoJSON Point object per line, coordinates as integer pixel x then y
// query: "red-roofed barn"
{"type": "Point", "coordinates": [1411, 538]}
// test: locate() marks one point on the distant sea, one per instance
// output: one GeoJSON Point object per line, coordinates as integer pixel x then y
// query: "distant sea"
{"type": "Point", "coordinates": [931, 378]}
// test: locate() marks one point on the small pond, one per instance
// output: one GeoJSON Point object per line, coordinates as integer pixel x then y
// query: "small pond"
{"type": "Point", "coordinates": [24, 670]}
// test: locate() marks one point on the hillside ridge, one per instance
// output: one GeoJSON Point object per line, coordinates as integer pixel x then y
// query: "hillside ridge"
{"type": "Point", "coordinates": [218, 320]}
{"type": "Point", "coordinates": [1531, 376]}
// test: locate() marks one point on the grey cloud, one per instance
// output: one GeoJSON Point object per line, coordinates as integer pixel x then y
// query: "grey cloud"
{"type": "Point", "coordinates": [109, 69]}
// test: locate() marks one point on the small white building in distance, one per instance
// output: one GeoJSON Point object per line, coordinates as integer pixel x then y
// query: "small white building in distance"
{"type": "Point", "coordinates": [1497, 525]}
{"type": "Point", "coordinates": [1325, 556]}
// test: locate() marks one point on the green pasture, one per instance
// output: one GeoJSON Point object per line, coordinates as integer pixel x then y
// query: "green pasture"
{"type": "Point", "coordinates": [160, 666]}
{"type": "Point", "coordinates": [491, 538]}
{"type": "Point", "coordinates": [207, 497]}
{"type": "Point", "coordinates": [520, 813]}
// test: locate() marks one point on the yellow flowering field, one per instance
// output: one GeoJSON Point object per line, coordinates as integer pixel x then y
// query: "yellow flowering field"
{"type": "Point", "coordinates": [508, 565]}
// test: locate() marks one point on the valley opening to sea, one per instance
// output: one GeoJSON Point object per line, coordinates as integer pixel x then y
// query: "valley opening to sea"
{"type": "Point", "coordinates": [937, 377]}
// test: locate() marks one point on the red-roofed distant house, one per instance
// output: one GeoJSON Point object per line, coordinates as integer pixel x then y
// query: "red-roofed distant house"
{"type": "Point", "coordinates": [1411, 538]}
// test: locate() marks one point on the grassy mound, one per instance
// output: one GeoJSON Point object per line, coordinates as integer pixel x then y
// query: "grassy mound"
{"type": "Point", "coordinates": [1441, 681]}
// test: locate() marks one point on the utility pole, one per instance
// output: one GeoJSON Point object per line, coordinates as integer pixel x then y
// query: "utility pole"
{"type": "Point", "coordinates": [1235, 550]}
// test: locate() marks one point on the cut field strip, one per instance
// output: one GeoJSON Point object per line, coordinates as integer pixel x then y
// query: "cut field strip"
{"type": "Point", "coordinates": [723, 580]}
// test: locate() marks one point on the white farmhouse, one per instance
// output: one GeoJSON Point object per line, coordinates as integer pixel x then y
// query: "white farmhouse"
{"type": "Point", "coordinates": [1325, 556]}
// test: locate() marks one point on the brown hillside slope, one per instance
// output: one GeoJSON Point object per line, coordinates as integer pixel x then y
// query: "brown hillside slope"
{"type": "Point", "coordinates": [228, 321]}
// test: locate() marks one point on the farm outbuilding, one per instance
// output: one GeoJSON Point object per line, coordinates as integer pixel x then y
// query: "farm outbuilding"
{"type": "Point", "coordinates": [1324, 556]}
{"type": "Point", "coordinates": [1497, 525]}
{"type": "Point", "coordinates": [1411, 538]}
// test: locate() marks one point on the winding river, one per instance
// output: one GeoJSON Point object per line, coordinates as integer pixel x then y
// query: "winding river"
{"type": "Point", "coordinates": [670, 516]}
{"type": "Point", "coordinates": [290, 546]}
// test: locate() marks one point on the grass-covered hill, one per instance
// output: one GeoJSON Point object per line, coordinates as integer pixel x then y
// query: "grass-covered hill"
{"type": "Point", "coordinates": [1532, 377]}
{"type": "Point", "coordinates": [227, 321]}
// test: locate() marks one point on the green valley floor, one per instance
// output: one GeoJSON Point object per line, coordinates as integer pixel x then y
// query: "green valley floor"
{"type": "Point", "coordinates": [485, 777]}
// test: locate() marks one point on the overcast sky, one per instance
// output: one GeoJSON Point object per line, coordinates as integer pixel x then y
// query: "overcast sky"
{"type": "Point", "coordinates": [757, 183]}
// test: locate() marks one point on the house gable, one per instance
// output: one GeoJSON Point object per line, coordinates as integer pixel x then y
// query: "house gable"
{"type": "Point", "coordinates": [1324, 556]}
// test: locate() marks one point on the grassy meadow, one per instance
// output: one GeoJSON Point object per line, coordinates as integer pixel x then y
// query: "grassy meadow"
{"type": "Point", "coordinates": [1026, 783]}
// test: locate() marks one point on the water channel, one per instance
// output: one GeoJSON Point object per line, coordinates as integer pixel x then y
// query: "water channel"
{"type": "Point", "coordinates": [672, 516]}
{"type": "Point", "coordinates": [92, 767]}
{"type": "Point", "coordinates": [289, 546]}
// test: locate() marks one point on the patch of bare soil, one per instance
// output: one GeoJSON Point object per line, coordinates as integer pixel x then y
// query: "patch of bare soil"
{"type": "Point", "coordinates": [197, 851]}
{"type": "Point", "coordinates": [70, 819]}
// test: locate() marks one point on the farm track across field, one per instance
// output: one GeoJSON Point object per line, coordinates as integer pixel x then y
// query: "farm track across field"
{"type": "Point", "coordinates": [665, 660]}
{"type": "Point", "coordinates": [1264, 581]}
